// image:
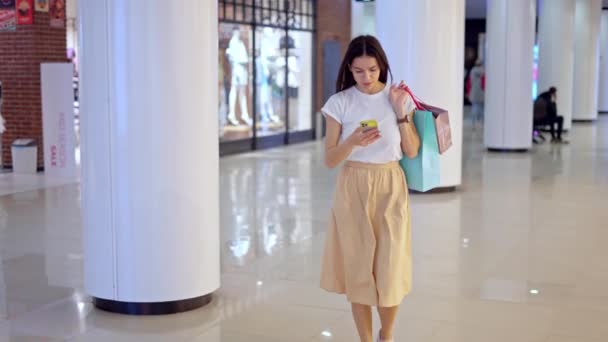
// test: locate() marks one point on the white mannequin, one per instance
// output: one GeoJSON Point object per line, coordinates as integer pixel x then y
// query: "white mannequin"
{"type": "Point", "coordinates": [293, 67]}
{"type": "Point", "coordinates": [223, 107]}
{"type": "Point", "coordinates": [293, 84]}
{"type": "Point", "coordinates": [293, 70]}
{"type": "Point", "coordinates": [267, 54]}
{"type": "Point", "coordinates": [239, 59]}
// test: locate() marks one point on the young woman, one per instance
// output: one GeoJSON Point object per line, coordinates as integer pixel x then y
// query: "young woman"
{"type": "Point", "coordinates": [367, 252]}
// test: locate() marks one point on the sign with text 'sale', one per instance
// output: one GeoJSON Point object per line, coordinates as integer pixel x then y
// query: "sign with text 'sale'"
{"type": "Point", "coordinates": [58, 119]}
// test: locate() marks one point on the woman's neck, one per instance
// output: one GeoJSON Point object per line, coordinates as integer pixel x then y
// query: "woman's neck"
{"type": "Point", "coordinates": [374, 89]}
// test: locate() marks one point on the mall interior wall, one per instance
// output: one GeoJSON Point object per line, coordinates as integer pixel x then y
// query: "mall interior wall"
{"type": "Point", "coordinates": [21, 53]}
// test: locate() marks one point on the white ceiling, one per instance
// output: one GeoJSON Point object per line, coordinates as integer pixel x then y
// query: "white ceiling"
{"type": "Point", "coordinates": [477, 8]}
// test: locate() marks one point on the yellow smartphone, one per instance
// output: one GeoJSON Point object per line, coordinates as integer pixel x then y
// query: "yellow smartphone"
{"type": "Point", "coordinates": [369, 124]}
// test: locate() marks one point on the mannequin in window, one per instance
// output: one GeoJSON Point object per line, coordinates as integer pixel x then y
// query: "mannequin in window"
{"type": "Point", "coordinates": [239, 60]}
{"type": "Point", "coordinates": [267, 56]}
{"type": "Point", "coordinates": [222, 85]}
{"type": "Point", "coordinates": [293, 70]}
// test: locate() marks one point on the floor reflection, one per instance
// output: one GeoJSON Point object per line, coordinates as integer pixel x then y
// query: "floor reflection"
{"type": "Point", "coordinates": [267, 206]}
{"type": "Point", "coordinates": [516, 254]}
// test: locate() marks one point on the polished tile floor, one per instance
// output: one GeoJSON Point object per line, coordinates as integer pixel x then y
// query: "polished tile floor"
{"type": "Point", "coordinates": [517, 254]}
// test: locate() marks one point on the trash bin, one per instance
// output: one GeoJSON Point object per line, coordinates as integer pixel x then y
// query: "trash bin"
{"type": "Point", "coordinates": [25, 156]}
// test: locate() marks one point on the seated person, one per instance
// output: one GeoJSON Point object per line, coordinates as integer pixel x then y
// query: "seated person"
{"type": "Point", "coordinates": [549, 117]}
{"type": "Point", "coordinates": [539, 112]}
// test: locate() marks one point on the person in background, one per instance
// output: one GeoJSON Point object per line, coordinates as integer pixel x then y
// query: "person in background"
{"type": "Point", "coordinates": [551, 117]}
{"type": "Point", "coordinates": [476, 93]}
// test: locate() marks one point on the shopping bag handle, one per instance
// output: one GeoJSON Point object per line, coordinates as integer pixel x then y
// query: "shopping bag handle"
{"type": "Point", "coordinates": [416, 100]}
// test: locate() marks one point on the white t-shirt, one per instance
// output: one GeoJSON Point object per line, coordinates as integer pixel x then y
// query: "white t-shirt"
{"type": "Point", "coordinates": [351, 106]}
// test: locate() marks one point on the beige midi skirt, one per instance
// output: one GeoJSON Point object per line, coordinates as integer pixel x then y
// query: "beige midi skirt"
{"type": "Point", "coordinates": [368, 253]}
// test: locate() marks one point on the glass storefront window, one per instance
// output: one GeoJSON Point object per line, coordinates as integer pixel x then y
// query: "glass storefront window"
{"type": "Point", "coordinates": [299, 80]}
{"type": "Point", "coordinates": [235, 75]}
{"type": "Point", "coordinates": [270, 71]}
{"type": "Point", "coordinates": [265, 73]}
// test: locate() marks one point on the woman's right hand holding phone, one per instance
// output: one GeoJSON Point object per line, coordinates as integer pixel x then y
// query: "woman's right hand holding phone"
{"type": "Point", "coordinates": [363, 138]}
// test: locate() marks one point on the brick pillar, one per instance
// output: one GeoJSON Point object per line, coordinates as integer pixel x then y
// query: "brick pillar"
{"type": "Point", "coordinates": [21, 53]}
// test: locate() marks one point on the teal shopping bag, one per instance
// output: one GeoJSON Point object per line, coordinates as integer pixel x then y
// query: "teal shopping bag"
{"type": "Point", "coordinates": [422, 172]}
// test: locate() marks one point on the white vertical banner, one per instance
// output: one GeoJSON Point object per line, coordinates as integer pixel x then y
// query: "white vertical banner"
{"type": "Point", "coordinates": [58, 119]}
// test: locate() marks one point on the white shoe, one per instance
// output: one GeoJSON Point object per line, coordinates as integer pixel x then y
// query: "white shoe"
{"type": "Point", "coordinates": [247, 120]}
{"type": "Point", "coordinates": [233, 121]}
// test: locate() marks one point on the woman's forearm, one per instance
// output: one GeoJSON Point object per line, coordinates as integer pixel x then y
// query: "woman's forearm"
{"type": "Point", "coordinates": [410, 141]}
{"type": "Point", "coordinates": [335, 155]}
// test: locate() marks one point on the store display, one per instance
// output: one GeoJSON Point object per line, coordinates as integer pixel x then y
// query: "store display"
{"type": "Point", "coordinates": [270, 106]}
{"type": "Point", "coordinates": [301, 66]}
{"type": "Point", "coordinates": [266, 60]}
{"type": "Point", "coordinates": [8, 20]}
{"type": "Point", "coordinates": [25, 12]}
{"type": "Point", "coordinates": [222, 103]}
{"type": "Point", "coordinates": [296, 83]}
{"type": "Point", "coordinates": [8, 15]}
{"type": "Point", "coordinates": [57, 13]}
{"type": "Point", "coordinates": [7, 4]}
{"type": "Point", "coordinates": [266, 68]}
{"type": "Point", "coordinates": [239, 60]}
{"type": "Point", "coordinates": [292, 66]}
{"type": "Point", "coordinates": [42, 5]}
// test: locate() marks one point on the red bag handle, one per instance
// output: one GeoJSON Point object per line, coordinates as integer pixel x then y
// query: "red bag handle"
{"type": "Point", "coordinates": [416, 100]}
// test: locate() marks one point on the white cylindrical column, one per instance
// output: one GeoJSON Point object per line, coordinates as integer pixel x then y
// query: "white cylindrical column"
{"type": "Point", "coordinates": [424, 42]}
{"type": "Point", "coordinates": [556, 53]}
{"type": "Point", "coordinates": [603, 87]}
{"type": "Point", "coordinates": [586, 59]}
{"type": "Point", "coordinates": [150, 166]}
{"type": "Point", "coordinates": [363, 18]}
{"type": "Point", "coordinates": [509, 66]}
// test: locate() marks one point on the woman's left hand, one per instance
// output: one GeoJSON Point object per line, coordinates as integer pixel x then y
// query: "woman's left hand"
{"type": "Point", "coordinates": [398, 97]}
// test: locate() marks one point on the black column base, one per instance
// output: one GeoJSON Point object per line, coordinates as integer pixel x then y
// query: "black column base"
{"type": "Point", "coordinates": [161, 308]}
{"type": "Point", "coordinates": [441, 190]}
{"type": "Point", "coordinates": [508, 150]}
{"type": "Point", "coordinates": [601, 112]}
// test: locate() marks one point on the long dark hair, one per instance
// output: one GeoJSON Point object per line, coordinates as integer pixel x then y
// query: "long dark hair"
{"type": "Point", "coordinates": [362, 46]}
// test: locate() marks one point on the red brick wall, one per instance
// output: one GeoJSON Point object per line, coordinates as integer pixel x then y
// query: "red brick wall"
{"type": "Point", "coordinates": [21, 53]}
{"type": "Point", "coordinates": [333, 23]}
